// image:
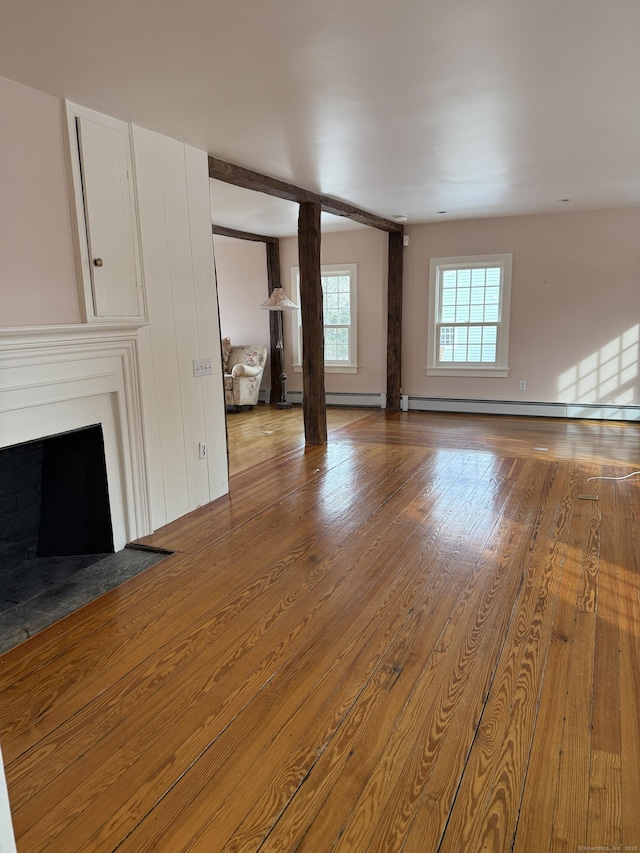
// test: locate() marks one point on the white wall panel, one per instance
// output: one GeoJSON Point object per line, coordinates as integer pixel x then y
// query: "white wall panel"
{"type": "Point", "coordinates": [163, 351]}
{"type": "Point", "coordinates": [207, 318]}
{"type": "Point", "coordinates": [152, 440]}
{"type": "Point", "coordinates": [180, 410]}
{"type": "Point", "coordinates": [184, 313]}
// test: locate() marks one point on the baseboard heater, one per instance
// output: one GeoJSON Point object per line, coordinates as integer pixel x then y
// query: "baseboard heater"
{"type": "Point", "coordinates": [589, 411]}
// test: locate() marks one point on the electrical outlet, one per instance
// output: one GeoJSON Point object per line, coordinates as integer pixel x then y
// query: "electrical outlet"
{"type": "Point", "coordinates": [202, 366]}
{"type": "Point", "coordinates": [522, 384]}
{"type": "Point", "coordinates": [202, 450]}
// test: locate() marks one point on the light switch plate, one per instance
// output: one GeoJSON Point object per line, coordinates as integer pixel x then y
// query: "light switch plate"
{"type": "Point", "coordinates": [202, 366]}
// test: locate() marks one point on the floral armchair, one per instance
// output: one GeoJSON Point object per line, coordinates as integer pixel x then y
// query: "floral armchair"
{"type": "Point", "coordinates": [243, 367]}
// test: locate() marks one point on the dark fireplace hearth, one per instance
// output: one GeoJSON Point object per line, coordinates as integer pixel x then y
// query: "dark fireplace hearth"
{"type": "Point", "coordinates": [56, 541]}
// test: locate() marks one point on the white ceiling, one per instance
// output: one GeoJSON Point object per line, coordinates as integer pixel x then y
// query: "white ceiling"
{"type": "Point", "coordinates": [474, 107]}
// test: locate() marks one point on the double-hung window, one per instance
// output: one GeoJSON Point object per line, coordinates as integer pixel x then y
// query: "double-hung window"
{"type": "Point", "coordinates": [469, 301]}
{"type": "Point", "coordinates": [339, 312]}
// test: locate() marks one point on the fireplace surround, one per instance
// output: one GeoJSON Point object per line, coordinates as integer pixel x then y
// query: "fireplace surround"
{"type": "Point", "coordinates": [56, 380]}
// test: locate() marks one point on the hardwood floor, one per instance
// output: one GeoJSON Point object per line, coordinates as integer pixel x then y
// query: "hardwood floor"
{"type": "Point", "coordinates": [417, 638]}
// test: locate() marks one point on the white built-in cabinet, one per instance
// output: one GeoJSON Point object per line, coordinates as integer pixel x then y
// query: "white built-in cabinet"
{"type": "Point", "coordinates": [106, 212]}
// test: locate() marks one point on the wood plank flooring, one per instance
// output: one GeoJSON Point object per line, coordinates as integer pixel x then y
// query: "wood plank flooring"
{"type": "Point", "coordinates": [417, 638]}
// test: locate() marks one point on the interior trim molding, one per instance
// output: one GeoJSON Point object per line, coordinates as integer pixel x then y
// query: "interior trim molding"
{"type": "Point", "coordinates": [60, 378]}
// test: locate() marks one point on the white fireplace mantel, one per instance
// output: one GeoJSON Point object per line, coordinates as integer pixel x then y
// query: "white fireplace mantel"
{"type": "Point", "coordinates": [56, 379]}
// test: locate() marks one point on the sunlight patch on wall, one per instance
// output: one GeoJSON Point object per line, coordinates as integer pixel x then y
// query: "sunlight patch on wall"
{"type": "Point", "coordinates": [608, 375]}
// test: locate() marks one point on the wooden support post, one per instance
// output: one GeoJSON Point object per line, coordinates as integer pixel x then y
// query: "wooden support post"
{"type": "Point", "coordinates": [273, 280]}
{"type": "Point", "coordinates": [310, 206]}
{"type": "Point", "coordinates": [394, 321]}
{"type": "Point", "coordinates": [313, 393]}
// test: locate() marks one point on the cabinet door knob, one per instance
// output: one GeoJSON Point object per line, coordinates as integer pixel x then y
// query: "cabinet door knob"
{"type": "Point", "coordinates": [97, 262]}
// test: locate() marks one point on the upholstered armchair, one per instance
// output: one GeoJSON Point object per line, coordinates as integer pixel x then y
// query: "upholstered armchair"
{"type": "Point", "coordinates": [243, 368]}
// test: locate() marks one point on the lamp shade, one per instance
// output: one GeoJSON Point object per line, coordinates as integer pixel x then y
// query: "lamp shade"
{"type": "Point", "coordinates": [277, 301]}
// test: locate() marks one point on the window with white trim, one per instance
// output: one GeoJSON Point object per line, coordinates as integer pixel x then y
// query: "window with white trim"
{"type": "Point", "coordinates": [339, 286]}
{"type": "Point", "coordinates": [469, 299]}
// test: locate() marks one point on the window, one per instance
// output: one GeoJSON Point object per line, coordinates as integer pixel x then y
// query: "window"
{"type": "Point", "coordinates": [469, 308]}
{"type": "Point", "coordinates": [339, 311]}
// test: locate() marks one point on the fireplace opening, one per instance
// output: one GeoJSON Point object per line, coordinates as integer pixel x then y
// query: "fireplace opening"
{"type": "Point", "coordinates": [74, 509]}
{"type": "Point", "coordinates": [55, 498]}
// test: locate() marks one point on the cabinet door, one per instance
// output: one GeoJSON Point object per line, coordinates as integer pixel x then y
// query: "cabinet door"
{"type": "Point", "coordinates": [109, 213]}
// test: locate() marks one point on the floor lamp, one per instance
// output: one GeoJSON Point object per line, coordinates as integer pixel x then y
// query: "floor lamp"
{"type": "Point", "coordinates": [279, 301]}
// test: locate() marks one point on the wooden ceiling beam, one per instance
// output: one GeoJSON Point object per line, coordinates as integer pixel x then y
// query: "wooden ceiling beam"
{"type": "Point", "coordinates": [221, 231]}
{"type": "Point", "coordinates": [220, 170]}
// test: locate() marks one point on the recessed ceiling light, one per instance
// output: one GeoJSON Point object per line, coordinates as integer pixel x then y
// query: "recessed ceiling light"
{"type": "Point", "coordinates": [401, 217]}
{"type": "Point", "coordinates": [442, 211]}
{"type": "Point", "coordinates": [564, 199]}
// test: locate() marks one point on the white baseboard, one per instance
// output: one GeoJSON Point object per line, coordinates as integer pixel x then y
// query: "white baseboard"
{"type": "Point", "coordinates": [591, 411]}
{"type": "Point", "coordinates": [604, 413]}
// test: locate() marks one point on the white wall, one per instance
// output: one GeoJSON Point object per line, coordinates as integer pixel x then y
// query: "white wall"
{"type": "Point", "coordinates": [575, 306]}
{"type": "Point", "coordinates": [38, 284]}
{"type": "Point", "coordinates": [241, 271]}
{"type": "Point", "coordinates": [242, 286]}
{"type": "Point", "coordinates": [368, 248]}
